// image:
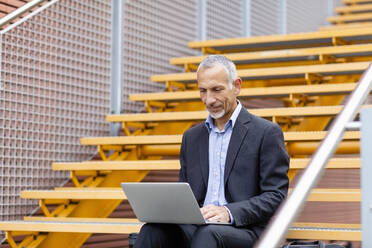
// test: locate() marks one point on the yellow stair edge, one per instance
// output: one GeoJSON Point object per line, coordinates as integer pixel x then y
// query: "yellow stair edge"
{"type": "Point", "coordinates": [343, 68]}
{"type": "Point", "coordinates": [318, 194]}
{"type": "Point", "coordinates": [350, 18]}
{"type": "Point", "coordinates": [295, 163]}
{"type": "Point", "coordinates": [274, 91]}
{"type": "Point", "coordinates": [351, 25]}
{"type": "Point", "coordinates": [323, 231]}
{"type": "Point", "coordinates": [70, 227]}
{"type": "Point", "coordinates": [353, 8]}
{"type": "Point", "coordinates": [200, 115]}
{"type": "Point", "coordinates": [347, 2]}
{"type": "Point", "coordinates": [301, 53]}
{"type": "Point", "coordinates": [177, 139]}
{"type": "Point", "coordinates": [277, 38]}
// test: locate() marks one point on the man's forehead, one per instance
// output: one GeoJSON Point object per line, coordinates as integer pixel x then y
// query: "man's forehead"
{"type": "Point", "coordinates": [215, 73]}
{"type": "Point", "coordinates": [216, 68]}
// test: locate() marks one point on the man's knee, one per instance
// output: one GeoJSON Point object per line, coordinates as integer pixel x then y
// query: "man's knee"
{"type": "Point", "coordinates": [151, 234]}
{"type": "Point", "coordinates": [160, 235]}
{"type": "Point", "coordinates": [152, 228]}
{"type": "Point", "coordinates": [223, 236]}
{"type": "Point", "coordinates": [207, 236]}
{"type": "Point", "coordinates": [209, 230]}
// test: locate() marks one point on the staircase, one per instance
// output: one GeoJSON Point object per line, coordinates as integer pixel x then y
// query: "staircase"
{"type": "Point", "coordinates": [22, 7]}
{"type": "Point", "coordinates": [297, 80]}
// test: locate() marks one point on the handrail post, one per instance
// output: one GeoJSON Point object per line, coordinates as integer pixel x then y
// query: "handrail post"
{"type": "Point", "coordinates": [116, 59]}
{"type": "Point", "coordinates": [290, 208]}
{"type": "Point", "coordinates": [247, 4]}
{"type": "Point", "coordinates": [202, 21]}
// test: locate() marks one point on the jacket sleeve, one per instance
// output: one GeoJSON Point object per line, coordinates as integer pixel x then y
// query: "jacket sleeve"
{"type": "Point", "coordinates": [182, 174]}
{"type": "Point", "coordinates": [273, 181]}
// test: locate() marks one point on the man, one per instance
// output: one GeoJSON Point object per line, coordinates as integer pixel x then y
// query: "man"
{"type": "Point", "coordinates": [235, 163]}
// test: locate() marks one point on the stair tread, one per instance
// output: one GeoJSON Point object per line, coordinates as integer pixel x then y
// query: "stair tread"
{"type": "Point", "coordinates": [275, 91]}
{"type": "Point", "coordinates": [275, 72]}
{"type": "Point", "coordinates": [350, 18]}
{"type": "Point", "coordinates": [354, 8]}
{"type": "Point", "coordinates": [116, 193]}
{"type": "Point", "coordinates": [272, 41]}
{"type": "Point", "coordinates": [354, 25]}
{"type": "Point", "coordinates": [116, 226]}
{"type": "Point", "coordinates": [201, 115]}
{"type": "Point", "coordinates": [295, 163]}
{"type": "Point", "coordinates": [283, 55]}
{"type": "Point", "coordinates": [176, 139]}
{"type": "Point", "coordinates": [347, 2]}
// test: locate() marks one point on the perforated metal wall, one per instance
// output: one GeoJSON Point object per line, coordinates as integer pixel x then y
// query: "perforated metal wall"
{"type": "Point", "coordinates": [223, 19]}
{"type": "Point", "coordinates": [305, 16]}
{"type": "Point", "coordinates": [153, 32]}
{"type": "Point", "coordinates": [265, 17]}
{"type": "Point", "coordinates": [55, 81]}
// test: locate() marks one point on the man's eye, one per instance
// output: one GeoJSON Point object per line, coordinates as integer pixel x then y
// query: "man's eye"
{"type": "Point", "coordinates": [217, 89]}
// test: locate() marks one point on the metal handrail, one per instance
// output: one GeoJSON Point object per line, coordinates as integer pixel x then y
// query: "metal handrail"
{"type": "Point", "coordinates": [288, 211]}
{"type": "Point", "coordinates": [18, 12]}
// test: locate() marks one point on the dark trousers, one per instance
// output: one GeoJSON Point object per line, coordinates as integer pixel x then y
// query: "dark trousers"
{"type": "Point", "coordinates": [185, 236]}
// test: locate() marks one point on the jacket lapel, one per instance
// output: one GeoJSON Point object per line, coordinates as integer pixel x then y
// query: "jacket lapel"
{"type": "Point", "coordinates": [237, 137]}
{"type": "Point", "coordinates": [203, 153]}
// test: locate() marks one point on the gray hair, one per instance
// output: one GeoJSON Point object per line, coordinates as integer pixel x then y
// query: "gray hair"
{"type": "Point", "coordinates": [227, 64]}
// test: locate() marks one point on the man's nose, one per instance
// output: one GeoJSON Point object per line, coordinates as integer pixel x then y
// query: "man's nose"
{"type": "Point", "coordinates": [210, 99]}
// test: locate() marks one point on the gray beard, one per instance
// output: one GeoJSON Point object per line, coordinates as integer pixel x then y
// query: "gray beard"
{"type": "Point", "coordinates": [217, 115]}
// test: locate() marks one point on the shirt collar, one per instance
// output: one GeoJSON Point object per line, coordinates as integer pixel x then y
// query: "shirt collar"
{"type": "Point", "coordinates": [209, 123]}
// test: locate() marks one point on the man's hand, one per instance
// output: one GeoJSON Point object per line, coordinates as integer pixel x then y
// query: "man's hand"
{"type": "Point", "coordinates": [215, 213]}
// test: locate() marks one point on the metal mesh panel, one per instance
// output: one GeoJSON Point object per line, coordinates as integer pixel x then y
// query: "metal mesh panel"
{"type": "Point", "coordinates": [224, 19]}
{"type": "Point", "coordinates": [265, 17]}
{"type": "Point", "coordinates": [305, 16]}
{"type": "Point", "coordinates": [54, 89]}
{"type": "Point", "coordinates": [153, 32]}
{"type": "Point", "coordinates": [336, 3]}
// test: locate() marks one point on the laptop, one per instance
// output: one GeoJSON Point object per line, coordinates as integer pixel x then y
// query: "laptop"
{"type": "Point", "coordinates": [172, 203]}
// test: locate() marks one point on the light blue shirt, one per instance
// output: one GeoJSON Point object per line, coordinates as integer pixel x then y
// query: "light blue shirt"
{"type": "Point", "coordinates": [218, 144]}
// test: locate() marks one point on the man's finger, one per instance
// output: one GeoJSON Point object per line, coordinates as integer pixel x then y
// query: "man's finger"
{"type": "Point", "coordinates": [209, 214]}
{"type": "Point", "coordinates": [207, 208]}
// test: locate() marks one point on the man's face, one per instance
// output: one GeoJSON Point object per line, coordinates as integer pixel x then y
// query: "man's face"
{"type": "Point", "coordinates": [218, 95]}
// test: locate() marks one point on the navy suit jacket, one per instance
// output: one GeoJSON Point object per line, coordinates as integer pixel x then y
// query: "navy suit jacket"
{"type": "Point", "coordinates": [256, 168]}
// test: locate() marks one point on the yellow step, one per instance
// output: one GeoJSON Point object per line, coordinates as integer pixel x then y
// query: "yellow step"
{"type": "Point", "coordinates": [348, 2]}
{"type": "Point", "coordinates": [119, 165]}
{"type": "Point", "coordinates": [285, 55]}
{"type": "Point", "coordinates": [350, 18]}
{"type": "Point", "coordinates": [275, 72]}
{"type": "Point", "coordinates": [70, 226]}
{"type": "Point", "coordinates": [76, 194]}
{"type": "Point", "coordinates": [351, 25]}
{"type": "Point", "coordinates": [309, 39]}
{"type": "Point", "coordinates": [334, 195]}
{"type": "Point", "coordinates": [34, 225]}
{"type": "Point", "coordinates": [276, 91]}
{"type": "Point", "coordinates": [81, 219]}
{"type": "Point", "coordinates": [317, 195]}
{"type": "Point", "coordinates": [325, 231]}
{"type": "Point", "coordinates": [176, 139]}
{"type": "Point", "coordinates": [312, 111]}
{"type": "Point", "coordinates": [354, 8]}
{"type": "Point", "coordinates": [295, 163]}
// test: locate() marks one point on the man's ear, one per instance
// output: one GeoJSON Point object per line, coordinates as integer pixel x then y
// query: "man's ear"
{"type": "Point", "coordinates": [237, 86]}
